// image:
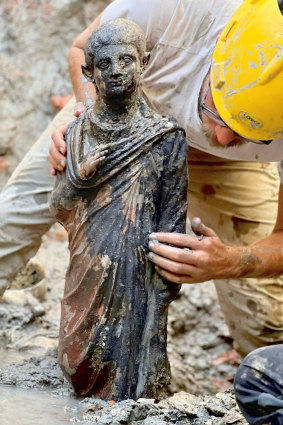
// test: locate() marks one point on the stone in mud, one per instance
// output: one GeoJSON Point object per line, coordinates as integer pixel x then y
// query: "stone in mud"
{"type": "Point", "coordinates": [174, 410]}
{"type": "Point", "coordinates": [126, 178]}
{"type": "Point", "coordinates": [28, 288]}
{"type": "Point", "coordinates": [29, 276]}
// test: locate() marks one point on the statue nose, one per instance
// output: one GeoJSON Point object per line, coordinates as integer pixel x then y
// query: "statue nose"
{"type": "Point", "coordinates": [116, 69]}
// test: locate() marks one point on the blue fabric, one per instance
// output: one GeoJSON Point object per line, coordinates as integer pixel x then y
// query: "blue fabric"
{"type": "Point", "coordinates": [259, 386]}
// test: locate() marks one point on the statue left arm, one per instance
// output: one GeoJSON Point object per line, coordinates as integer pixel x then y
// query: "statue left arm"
{"type": "Point", "coordinates": [84, 154]}
{"type": "Point", "coordinates": [174, 184]}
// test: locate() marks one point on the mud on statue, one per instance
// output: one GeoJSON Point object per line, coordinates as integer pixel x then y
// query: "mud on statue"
{"type": "Point", "coordinates": [126, 178]}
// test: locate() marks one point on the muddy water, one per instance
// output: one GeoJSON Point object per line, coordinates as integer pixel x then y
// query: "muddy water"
{"type": "Point", "coordinates": [29, 407]}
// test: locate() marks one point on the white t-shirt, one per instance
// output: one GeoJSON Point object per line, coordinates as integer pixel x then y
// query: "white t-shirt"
{"type": "Point", "coordinates": [181, 36]}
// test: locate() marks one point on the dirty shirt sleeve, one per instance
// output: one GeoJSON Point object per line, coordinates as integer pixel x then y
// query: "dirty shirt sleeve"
{"type": "Point", "coordinates": [174, 183]}
{"type": "Point", "coordinates": [150, 15]}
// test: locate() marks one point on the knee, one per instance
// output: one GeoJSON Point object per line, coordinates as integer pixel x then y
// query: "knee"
{"type": "Point", "coordinates": [258, 384]}
{"type": "Point", "coordinates": [250, 371]}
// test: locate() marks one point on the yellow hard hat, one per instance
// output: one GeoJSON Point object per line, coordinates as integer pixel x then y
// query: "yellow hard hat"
{"type": "Point", "coordinates": [247, 71]}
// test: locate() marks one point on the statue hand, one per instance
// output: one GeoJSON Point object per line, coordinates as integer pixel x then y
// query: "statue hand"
{"type": "Point", "coordinates": [94, 158]}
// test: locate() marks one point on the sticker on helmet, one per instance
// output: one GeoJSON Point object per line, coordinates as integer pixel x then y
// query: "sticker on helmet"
{"type": "Point", "coordinates": [248, 120]}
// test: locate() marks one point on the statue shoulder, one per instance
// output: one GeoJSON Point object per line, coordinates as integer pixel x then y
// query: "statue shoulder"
{"type": "Point", "coordinates": [164, 122]}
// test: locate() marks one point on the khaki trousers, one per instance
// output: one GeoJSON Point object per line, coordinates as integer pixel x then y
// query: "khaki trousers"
{"type": "Point", "coordinates": [238, 200]}
{"type": "Point", "coordinates": [24, 206]}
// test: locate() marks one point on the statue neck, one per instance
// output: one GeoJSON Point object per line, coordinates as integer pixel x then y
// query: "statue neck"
{"type": "Point", "coordinates": [116, 111]}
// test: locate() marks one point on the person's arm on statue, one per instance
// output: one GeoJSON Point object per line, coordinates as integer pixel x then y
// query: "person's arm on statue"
{"type": "Point", "coordinates": [199, 258]}
{"type": "Point", "coordinates": [84, 92]}
{"type": "Point", "coordinates": [211, 258]}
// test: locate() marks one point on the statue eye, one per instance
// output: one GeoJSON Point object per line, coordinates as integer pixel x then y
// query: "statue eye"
{"type": "Point", "coordinates": [103, 64]}
{"type": "Point", "coordinates": [127, 59]}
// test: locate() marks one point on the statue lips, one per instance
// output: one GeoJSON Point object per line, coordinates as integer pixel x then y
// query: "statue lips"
{"type": "Point", "coordinates": [116, 83]}
{"type": "Point", "coordinates": [120, 86]}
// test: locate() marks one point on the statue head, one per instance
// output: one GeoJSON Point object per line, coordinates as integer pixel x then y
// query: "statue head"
{"type": "Point", "coordinates": [115, 57]}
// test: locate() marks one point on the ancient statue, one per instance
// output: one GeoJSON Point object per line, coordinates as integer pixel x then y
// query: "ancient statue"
{"type": "Point", "coordinates": [126, 177]}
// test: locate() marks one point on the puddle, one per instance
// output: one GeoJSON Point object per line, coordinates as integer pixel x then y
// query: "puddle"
{"type": "Point", "coordinates": [29, 407]}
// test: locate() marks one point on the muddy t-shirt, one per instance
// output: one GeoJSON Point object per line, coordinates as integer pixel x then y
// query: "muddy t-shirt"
{"type": "Point", "coordinates": [181, 36]}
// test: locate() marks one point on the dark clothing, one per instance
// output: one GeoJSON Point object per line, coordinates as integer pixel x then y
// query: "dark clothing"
{"type": "Point", "coordinates": [114, 311]}
{"type": "Point", "coordinates": [259, 386]}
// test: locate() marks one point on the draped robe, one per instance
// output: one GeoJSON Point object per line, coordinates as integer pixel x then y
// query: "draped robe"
{"type": "Point", "coordinates": [113, 335]}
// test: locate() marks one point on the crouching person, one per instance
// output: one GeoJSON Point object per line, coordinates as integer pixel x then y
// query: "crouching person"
{"type": "Point", "coordinates": [259, 386]}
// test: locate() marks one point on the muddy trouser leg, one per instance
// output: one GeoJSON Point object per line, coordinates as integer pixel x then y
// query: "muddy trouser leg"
{"type": "Point", "coordinates": [259, 386]}
{"type": "Point", "coordinates": [239, 201]}
{"type": "Point", "coordinates": [24, 207]}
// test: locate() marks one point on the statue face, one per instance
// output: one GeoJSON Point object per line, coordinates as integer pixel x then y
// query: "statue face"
{"type": "Point", "coordinates": [117, 70]}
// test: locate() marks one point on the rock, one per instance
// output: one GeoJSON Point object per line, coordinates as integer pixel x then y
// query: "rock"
{"type": "Point", "coordinates": [28, 288]}
{"type": "Point", "coordinates": [181, 409]}
{"type": "Point", "coordinates": [29, 276]}
{"type": "Point", "coordinates": [215, 407]}
{"type": "Point", "coordinates": [196, 335]}
{"type": "Point", "coordinates": [185, 402]}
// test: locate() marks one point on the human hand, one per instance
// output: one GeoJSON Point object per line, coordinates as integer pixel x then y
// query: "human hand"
{"type": "Point", "coordinates": [193, 259]}
{"type": "Point", "coordinates": [58, 150]}
{"type": "Point", "coordinates": [95, 157]}
{"type": "Point", "coordinates": [79, 108]}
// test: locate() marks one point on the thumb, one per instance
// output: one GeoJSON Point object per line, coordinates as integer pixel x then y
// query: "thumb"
{"type": "Point", "coordinates": [200, 229]}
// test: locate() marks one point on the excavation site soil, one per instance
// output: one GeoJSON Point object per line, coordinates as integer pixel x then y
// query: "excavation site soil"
{"type": "Point", "coordinates": [35, 39]}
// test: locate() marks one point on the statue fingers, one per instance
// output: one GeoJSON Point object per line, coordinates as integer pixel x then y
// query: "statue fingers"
{"type": "Point", "coordinates": [94, 150]}
{"type": "Point", "coordinates": [91, 165]}
{"type": "Point", "coordinates": [100, 154]}
{"type": "Point", "coordinates": [104, 146]}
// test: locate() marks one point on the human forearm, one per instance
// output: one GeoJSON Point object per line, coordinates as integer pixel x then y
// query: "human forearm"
{"type": "Point", "coordinates": [191, 259]}
{"type": "Point", "coordinates": [263, 258]}
{"type": "Point", "coordinates": [83, 90]}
